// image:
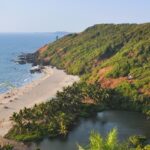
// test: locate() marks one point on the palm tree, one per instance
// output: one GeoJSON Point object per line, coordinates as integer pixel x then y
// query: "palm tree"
{"type": "Point", "coordinates": [97, 93]}
{"type": "Point", "coordinates": [17, 119]}
{"type": "Point", "coordinates": [98, 143]}
{"type": "Point", "coordinates": [62, 124]}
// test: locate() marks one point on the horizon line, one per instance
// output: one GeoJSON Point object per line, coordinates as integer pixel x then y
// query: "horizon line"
{"type": "Point", "coordinates": [74, 31]}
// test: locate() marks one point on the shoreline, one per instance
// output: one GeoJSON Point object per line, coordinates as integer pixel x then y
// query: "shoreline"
{"type": "Point", "coordinates": [17, 145]}
{"type": "Point", "coordinates": [38, 91]}
{"type": "Point", "coordinates": [12, 94]}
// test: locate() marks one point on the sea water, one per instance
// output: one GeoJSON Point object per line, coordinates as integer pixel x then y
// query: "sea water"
{"type": "Point", "coordinates": [13, 44]}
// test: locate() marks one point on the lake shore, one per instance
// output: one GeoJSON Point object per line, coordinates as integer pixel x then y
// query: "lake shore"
{"type": "Point", "coordinates": [36, 92]}
{"type": "Point", "coordinates": [17, 145]}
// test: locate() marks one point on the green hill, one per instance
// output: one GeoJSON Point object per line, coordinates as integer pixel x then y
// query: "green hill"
{"type": "Point", "coordinates": [123, 50]}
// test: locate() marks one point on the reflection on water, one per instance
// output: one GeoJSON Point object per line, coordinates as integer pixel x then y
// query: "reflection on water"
{"type": "Point", "coordinates": [127, 123]}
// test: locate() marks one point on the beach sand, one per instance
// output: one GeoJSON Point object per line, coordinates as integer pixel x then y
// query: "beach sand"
{"type": "Point", "coordinates": [38, 91]}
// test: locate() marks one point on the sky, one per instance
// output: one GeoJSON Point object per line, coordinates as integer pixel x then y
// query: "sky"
{"type": "Point", "coordinates": [69, 15]}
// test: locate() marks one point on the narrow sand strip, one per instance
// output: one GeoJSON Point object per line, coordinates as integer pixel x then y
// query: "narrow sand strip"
{"type": "Point", "coordinates": [33, 93]}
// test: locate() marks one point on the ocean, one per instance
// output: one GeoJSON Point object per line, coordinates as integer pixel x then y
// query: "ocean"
{"type": "Point", "coordinates": [13, 44]}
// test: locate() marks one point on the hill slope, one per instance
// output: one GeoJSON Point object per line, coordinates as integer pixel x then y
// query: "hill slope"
{"type": "Point", "coordinates": [115, 55]}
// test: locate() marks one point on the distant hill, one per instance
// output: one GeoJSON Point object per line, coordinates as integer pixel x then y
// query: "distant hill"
{"type": "Point", "coordinates": [117, 56]}
{"type": "Point", "coordinates": [60, 33]}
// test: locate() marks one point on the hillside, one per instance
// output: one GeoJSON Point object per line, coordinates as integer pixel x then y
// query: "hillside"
{"type": "Point", "coordinates": [115, 55]}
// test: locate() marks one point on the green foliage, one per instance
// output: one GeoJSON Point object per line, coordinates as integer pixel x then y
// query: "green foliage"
{"type": "Point", "coordinates": [109, 143]}
{"type": "Point", "coordinates": [96, 142]}
{"type": "Point", "coordinates": [120, 69]}
{"type": "Point", "coordinates": [124, 46]}
{"type": "Point", "coordinates": [57, 116]}
{"type": "Point", "coordinates": [128, 89]}
{"type": "Point", "coordinates": [137, 141]}
{"type": "Point", "coordinates": [6, 147]}
{"type": "Point", "coordinates": [97, 93]}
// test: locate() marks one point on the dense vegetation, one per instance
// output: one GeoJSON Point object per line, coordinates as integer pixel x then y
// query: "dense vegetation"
{"type": "Point", "coordinates": [57, 116]}
{"type": "Point", "coordinates": [123, 48]}
{"type": "Point", "coordinates": [111, 142]}
{"type": "Point", "coordinates": [6, 147]}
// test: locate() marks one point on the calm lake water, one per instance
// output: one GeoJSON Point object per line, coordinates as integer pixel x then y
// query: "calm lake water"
{"type": "Point", "coordinates": [12, 45]}
{"type": "Point", "coordinates": [127, 123]}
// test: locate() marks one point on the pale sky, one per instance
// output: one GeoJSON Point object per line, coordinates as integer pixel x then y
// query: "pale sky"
{"type": "Point", "coordinates": [69, 15]}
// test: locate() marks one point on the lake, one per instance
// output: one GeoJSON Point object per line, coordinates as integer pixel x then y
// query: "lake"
{"type": "Point", "coordinates": [127, 123]}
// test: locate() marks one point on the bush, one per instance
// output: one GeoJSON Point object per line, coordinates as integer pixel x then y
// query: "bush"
{"type": "Point", "coordinates": [6, 147]}
{"type": "Point", "coordinates": [137, 141]}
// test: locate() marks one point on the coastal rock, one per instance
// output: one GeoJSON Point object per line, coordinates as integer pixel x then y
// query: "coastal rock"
{"type": "Point", "coordinates": [25, 58]}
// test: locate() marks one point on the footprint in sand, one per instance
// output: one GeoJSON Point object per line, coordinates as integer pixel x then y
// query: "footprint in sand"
{"type": "Point", "coordinates": [6, 107]}
{"type": "Point", "coordinates": [7, 96]}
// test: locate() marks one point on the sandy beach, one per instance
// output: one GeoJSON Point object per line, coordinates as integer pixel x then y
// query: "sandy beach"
{"type": "Point", "coordinates": [38, 91]}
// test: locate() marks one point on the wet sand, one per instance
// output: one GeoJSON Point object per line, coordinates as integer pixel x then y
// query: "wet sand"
{"type": "Point", "coordinates": [38, 91]}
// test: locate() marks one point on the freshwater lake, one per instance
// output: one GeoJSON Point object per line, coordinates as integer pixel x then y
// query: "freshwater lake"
{"type": "Point", "coordinates": [127, 124]}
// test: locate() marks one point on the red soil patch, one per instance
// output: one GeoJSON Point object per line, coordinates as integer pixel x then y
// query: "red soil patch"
{"type": "Point", "coordinates": [103, 71]}
{"type": "Point", "coordinates": [43, 49]}
{"type": "Point", "coordinates": [113, 83]}
{"type": "Point", "coordinates": [145, 91]}
{"type": "Point", "coordinates": [88, 100]}
{"type": "Point", "coordinates": [110, 82]}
